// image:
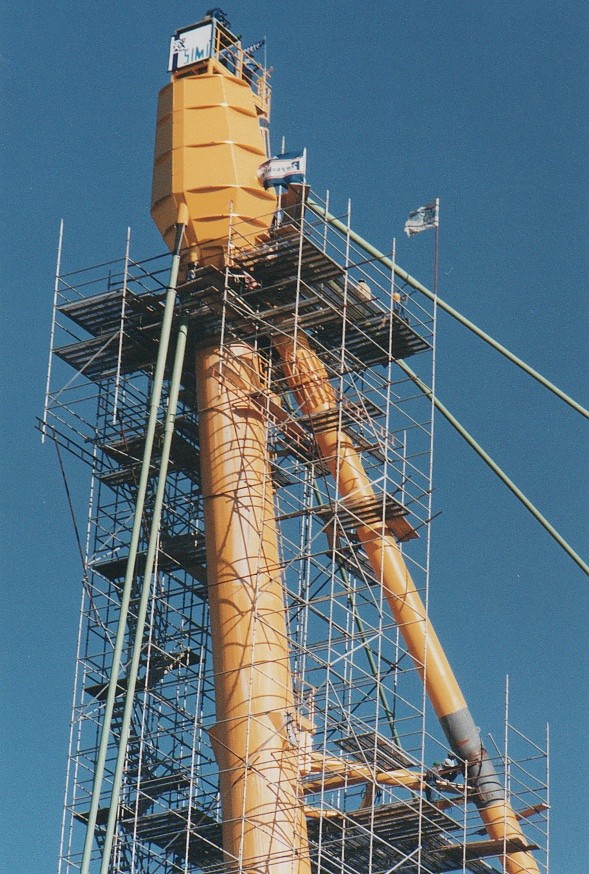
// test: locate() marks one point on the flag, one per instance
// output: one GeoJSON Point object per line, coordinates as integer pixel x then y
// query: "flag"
{"type": "Point", "coordinates": [423, 218]}
{"type": "Point", "coordinates": [283, 169]}
{"type": "Point", "coordinates": [255, 47]}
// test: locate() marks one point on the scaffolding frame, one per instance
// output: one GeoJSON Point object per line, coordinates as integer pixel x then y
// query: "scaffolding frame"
{"type": "Point", "coordinates": [361, 730]}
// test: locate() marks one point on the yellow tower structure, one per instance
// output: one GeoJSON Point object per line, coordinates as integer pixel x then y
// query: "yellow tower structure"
{"type": "Point", "coordinates": [210, 144]}
{"type": "Point", "coordinates": [257, 667]}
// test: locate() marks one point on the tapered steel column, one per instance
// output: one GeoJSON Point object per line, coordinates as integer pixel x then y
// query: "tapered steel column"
{"type": "Point", "coordinates": [314, 393]}
{"type": "Point", "coordinates": [255, 736]}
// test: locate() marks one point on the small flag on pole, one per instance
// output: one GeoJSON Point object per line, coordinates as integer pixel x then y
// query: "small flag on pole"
{"type": "Point", "coordinates": [283, 169]}
{"type": "Point", "coordinates": [255, 47]}
{"type": "Point", "coordinates": [423, 218]}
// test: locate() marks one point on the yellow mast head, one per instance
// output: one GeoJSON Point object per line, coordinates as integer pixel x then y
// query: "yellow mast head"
{"type": "Point", "coordinates": [211, 137]}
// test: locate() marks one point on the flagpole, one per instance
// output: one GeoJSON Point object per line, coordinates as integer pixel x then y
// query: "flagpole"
{"type": "Point", "coordinates": [436, 246]}
{"type": "Point", "coordinates": [279, 202]}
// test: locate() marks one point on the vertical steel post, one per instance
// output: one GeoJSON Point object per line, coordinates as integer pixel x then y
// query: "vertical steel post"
{"type": "Point", "coordinates": [115, 404]}
{"type": "Point", "coordinates": [156, 394]}
{"type": "Point", "coordinates": [52, 335]}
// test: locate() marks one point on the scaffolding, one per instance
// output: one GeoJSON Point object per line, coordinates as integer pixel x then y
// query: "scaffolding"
{"type": "Point", "coordinates": [360, 726]}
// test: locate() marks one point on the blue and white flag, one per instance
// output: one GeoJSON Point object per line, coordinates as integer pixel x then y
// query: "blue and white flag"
{"type": "Point", "coordinates": [283, 169]}
{"type": "Point", "coordinates": [423, 218]}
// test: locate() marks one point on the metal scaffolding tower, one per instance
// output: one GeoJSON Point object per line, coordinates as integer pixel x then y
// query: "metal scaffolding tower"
{"type": "Point", "coordinates": [359, 730]}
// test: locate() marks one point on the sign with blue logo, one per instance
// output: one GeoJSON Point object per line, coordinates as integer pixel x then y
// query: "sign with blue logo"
{"type": "Point", "coordinates": [189, 46]}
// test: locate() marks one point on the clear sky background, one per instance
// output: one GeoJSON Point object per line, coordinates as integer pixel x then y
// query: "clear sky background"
{"type": "Point", "coordinates": [482, 104]}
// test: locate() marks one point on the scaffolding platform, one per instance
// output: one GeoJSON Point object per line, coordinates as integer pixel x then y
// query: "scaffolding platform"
{"type": "Point", "coordinates": [371, 748]}
{"type": "Point", "coordinates": [373, 840]}
{"type": "Point", "coordinates": [388, 837]}
{"type": "Point", "coordinates": [370, 512]}
{"type": "Point", "coordinates": [304, 279]}
{"type": "Point", "coordinates": [168, 831]}
{"type": "Point", "coordinates": [324, 305]}
{"type": "Point", "coordinates": [127, 451]}
{"type": "Point", "coordinates": [186, 551]}
{"type": "Point", "coordinates": [166, 662]}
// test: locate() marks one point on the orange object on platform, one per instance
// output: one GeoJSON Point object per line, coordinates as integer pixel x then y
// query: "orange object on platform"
{"type": "Point", "coordinates": [209, 145]}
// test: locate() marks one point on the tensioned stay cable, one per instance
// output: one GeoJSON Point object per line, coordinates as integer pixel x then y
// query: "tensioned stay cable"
{"type": "Point", "coordinates": [495, 467]}
{"type": "Point", "coordinates": [414, 283]}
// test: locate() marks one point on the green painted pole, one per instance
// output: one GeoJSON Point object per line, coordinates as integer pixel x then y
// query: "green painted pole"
{"type": "Point", "coordinates": [402, 274]}
{"type": "Point", "coordinates": [156, 394]}
{"type": "Point", "coordinates": [495, 468]}
{"type": "Point", "coordinates": [154, 533]}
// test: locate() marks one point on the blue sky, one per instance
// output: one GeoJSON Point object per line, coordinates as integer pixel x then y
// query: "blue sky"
{"type": "Point", "coordinates": [483, 105]}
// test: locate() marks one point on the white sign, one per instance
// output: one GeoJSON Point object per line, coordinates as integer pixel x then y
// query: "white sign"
{"type": "Point", "coordinates": [191, 46]}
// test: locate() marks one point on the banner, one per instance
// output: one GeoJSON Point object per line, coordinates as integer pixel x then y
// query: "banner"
{"type": "Point", "coordinates": [281, 170]}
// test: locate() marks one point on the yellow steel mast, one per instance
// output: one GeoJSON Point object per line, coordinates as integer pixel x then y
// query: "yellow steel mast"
{"type": "Point", "coordinates": [209, 146]}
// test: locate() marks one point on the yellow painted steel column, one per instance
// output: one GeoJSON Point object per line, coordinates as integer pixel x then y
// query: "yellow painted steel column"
{"type": "Point", "coordinates": [309, 381]}
{"type": "Point", "coordinates": [264, 827]}
{"type": "Point", "coordinates": [308, 378]}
